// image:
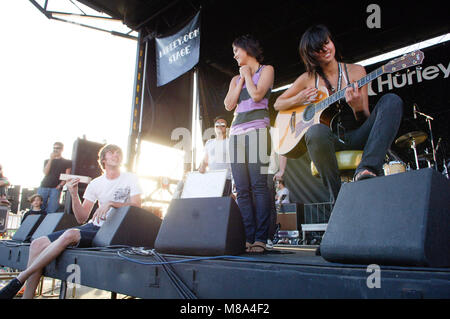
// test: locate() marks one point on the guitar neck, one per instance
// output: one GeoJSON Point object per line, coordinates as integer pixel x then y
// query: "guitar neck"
{"type": "Point", "coordinates": [341, 94]}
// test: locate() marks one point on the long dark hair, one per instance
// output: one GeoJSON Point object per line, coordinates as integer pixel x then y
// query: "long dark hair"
{"type": "Point", "coordinates": [251, 45]}
{"type": "Point", "coordinates": [312, 41]}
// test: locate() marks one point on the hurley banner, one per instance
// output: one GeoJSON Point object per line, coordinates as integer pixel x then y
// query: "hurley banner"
{"type": "Point", "coordinates": [178, 53]}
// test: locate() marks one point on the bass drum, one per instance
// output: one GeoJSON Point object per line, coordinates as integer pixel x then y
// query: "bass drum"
{"type": "Point", "coordinates": [394, 167]}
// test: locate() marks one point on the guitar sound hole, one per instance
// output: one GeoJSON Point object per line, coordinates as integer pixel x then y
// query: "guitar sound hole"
{"type": "Point", "coordinates": [309, 113]}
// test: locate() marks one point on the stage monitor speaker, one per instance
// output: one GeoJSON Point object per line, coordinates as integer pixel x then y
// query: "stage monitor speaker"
{"type": "Point", "coordinates": [54, 222]}
{"type": "Point", "coordinates": [85, 158]}
{"type": "Point", "coordinates": [4, 210]}
{"type": "Point", "coordinates": [401, 219]}
{"type": "Point", "coordinates": [202, 227]}
{"type": "Point", "coordinates": [128, 225]}
{"type": "Point", "coordinates": [28, 227]}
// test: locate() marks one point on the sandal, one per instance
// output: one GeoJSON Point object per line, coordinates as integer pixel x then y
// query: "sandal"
{"type": "Point", "coordinates": [257, 248]}
{"type": "Point", "coordinates": [364, 174]}
{"type": "Point", "coordinates": [248, 246]}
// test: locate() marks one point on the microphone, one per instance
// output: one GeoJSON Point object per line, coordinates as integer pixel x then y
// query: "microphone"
{"type": "Point", "coordinates": [415, 111]}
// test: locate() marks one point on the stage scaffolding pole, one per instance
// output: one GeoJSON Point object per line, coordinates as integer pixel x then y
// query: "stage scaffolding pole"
{"type": "Point", "coordinates": [137, 105]}
{"type": "Point", "coordinates": [195, 119]}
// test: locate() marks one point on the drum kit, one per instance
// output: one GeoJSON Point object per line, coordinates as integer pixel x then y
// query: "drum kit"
{"type": "Point", "coordinates": [411, 140]}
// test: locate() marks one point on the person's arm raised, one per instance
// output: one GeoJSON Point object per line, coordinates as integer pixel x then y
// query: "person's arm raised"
{"type": "Point", "coordinates": [258, 91]}
{"type": "Point", "coordinates": [234, 90]}
{"type": "Point", "coordinates": [298, 94]}
{"type": "Point", "coordinates": [80, 210]}
{"type": "Point", "coordinates": [356, 97]}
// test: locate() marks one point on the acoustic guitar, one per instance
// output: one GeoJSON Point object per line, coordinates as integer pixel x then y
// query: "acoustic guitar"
{"type": "Point", "coordinates": [292, 124]}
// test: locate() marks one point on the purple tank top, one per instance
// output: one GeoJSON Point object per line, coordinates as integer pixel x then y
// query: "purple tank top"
{"type": "Point", "coordinates": [250, 115]}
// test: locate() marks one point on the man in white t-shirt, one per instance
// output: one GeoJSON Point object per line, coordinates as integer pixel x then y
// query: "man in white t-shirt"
{"type": "Point", "coordinates": [216, 153]}
{"type": "Point", "coordinates": [113, 189]}
{"type": "Point", "coordinates": [282, 196]}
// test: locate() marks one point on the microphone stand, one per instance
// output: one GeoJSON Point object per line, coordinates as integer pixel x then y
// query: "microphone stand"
{"type": "Point", "coordinates": [429, 119]}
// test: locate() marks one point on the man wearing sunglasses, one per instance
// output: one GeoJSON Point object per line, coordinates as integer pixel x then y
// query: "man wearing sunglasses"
{"type": "Point", "coordinates": [51, 186]}
{"type": "Point", "coordinates": [216, 153]}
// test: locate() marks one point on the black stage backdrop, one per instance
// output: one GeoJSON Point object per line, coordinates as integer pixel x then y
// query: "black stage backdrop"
{"type": "Point", "coordinates": [213, 86]}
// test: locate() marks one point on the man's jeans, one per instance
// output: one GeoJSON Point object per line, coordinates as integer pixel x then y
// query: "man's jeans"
{"type": "Point", "coordinates": [50, 198]}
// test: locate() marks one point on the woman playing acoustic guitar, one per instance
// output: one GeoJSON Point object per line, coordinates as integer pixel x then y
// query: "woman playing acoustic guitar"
{"type": "Point", "coordinates": [359, 129]}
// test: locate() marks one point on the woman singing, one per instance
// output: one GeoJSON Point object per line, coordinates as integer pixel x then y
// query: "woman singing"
{"type": "Point", "coordinates": [248, 94]}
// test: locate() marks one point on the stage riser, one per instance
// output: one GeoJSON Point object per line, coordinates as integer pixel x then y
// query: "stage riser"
{"type": "Point", "coordinates": [239, 280]}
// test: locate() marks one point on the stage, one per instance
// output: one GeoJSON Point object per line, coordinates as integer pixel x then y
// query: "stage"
{"type": "Point", "coordinates": [285, 273]}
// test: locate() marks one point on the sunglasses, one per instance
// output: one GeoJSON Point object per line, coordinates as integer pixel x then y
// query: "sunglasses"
{"type": "Point", "coordinates": [220, 124]}
{"type": "Point", "coordinates": [57, 148]}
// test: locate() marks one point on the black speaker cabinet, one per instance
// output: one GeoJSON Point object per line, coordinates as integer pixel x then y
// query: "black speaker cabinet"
{"type": "Point", "coordinates": [13, 197]}
{"type": "Point", "coordinates": [401, 219]}
{"type": "Point", "coordinates": [28, 227]}
{"type": "Point", "coordinates": [128, 225]}
{"type": "Point", "coordinates": [54, 222]}
{"type": "Point", "coordinates": [4, 210]}
{"type": "Point", "coordinates": [84, 158]}
{"type": "Point", "coordinates": [202, 227]}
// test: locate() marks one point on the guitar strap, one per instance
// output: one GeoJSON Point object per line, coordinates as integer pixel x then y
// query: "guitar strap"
{"type": "Point", "coordinates": [338, 128]}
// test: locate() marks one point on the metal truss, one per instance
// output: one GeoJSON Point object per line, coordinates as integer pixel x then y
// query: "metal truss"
{"type": "Point", "coordinates": [78, 13]}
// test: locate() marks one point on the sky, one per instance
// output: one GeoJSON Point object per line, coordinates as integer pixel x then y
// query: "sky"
{"type": "Point", "coordinates": [58, 82]}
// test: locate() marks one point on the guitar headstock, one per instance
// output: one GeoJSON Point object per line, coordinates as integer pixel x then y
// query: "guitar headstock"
{"type": "Point", "coordinates": [404, 62]}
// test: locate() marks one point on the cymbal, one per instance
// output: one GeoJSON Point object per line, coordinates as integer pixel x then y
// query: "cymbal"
{"type": "Point", "coordinates": [406, 140]}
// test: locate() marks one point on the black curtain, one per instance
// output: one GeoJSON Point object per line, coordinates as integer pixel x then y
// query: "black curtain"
{"type": "Point", "coordinates": [213, 87]}
{"type": "Point", "coordinates": [167, 107]}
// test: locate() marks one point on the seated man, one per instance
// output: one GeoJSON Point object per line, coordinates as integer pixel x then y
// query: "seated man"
{"type": "Point", "coordinates": [113, 189]}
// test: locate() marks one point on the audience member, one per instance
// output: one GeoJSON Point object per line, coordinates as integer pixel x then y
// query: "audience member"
{"type": "Point", "coordinates": [282, 196]}
{"type": "Point", "coordinates": [51, 186]}
{"type": "Point", "coordinates": [36, 206]}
